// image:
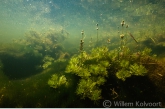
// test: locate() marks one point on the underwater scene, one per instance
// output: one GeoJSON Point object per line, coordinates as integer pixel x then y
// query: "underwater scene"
{"type": "Point", "coordinates": [82, 53]}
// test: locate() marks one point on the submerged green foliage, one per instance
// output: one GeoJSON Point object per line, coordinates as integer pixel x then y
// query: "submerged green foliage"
{"type": "Point", "coordinates": [134, 69]}
{"type": "Point", "coordinates": [47, 62]}
{"type": "Point", "coordinates": [146, 51]}
{"type": "Point", "coordinates": [47, 46]}
{"type": "Point", "coordinates": [93, 69]}
{"type": "Point", "coordinates": [56, 81]}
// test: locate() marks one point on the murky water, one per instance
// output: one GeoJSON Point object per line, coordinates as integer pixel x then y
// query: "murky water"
{"type": "Point", "coordinates": [46, 56]}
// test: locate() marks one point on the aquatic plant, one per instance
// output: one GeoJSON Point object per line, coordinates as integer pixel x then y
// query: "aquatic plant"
{"type": "Point", "coordinates": [88, 88]}
{"type": "Point", "coordinates": [45, 46]}
{"type": "Point", "coordinates": [56, 81]}
{"type": "Point", "coordinates": [63, 56]}
{"type": "Point", "coordinates": [91, 68]}
{"type": "Point", "coordinates": [122, 24]}
{"type": "Point", "coordinates": [91, 42]}
{"type": "Point", "coordinates": [82, 41]}
{"type": "Point", "coordinates": [97, 28]}
{"type": "Point", "coordinates": [129, 70]}
{"type": "Point", "coordinates": [138, 70]}
{"type": "Point", "coordinates": [48, 43]}
{"type": "Point", "coordinates": [81, 45]}
{"type": "Point", "coordinates": [82, 33]}
{"type": "Point", "coordinates": [94, 68]}
{"type": "Point", "coordinates": [122, 35]}
{"type": "Point", "coordinates": [47, 61]}
{"type": "Point", "coordinates": [146, 52]}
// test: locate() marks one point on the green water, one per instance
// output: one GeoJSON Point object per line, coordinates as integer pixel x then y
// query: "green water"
{"type": "Point", "coordinates": [97, 50]}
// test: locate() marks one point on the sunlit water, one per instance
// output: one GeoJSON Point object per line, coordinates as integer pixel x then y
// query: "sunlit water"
{"type": "Point", "coordinates": [145, 18]}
